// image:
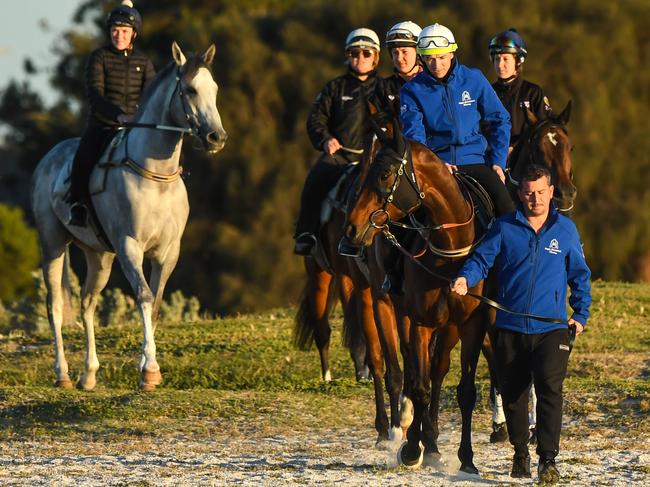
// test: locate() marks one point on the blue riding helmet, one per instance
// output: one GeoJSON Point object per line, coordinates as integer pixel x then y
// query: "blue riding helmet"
{"type": "Point", "coordinates": [508, 41]}
{"type": "Point", "coordinates": [125, 15]}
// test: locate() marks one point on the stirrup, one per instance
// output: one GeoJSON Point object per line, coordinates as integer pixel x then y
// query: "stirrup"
{"type": "Point", "coordinates": [78, 215]}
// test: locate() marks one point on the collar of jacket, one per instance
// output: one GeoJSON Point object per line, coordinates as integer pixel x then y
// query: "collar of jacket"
{"type": "Point", "coordinates": [552, 216]}
{"type": "Point", "coordinates": [124, 52]}
{"type": "Point", "coordinates": [371, 75]}
{"type": "Point", "coordinates": [512, 84]}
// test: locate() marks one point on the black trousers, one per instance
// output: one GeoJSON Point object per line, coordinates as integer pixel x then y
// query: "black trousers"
{"type": "Point", "coordinates": [91, 144]}
{"type": "Point", "coordinates": [541, 359]}
{"type": "Point", "coordinates": [320, 180]}
{"type": "Point", "coordinates": [489, 179]}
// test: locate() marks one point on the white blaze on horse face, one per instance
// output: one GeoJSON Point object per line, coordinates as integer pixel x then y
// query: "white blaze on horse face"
{"type": "Point", "coordinates": [205, 104]}
{"type": "Point", "coordinates": [551, 137]}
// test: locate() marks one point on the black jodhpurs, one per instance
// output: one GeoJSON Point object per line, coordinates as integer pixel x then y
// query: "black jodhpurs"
{"type": "Point", "coordinates": [541, 359]}
{"type": "Point", "coordinates": [320, 180]}
{"type": "Point", "coordinates": [489, 179]}
{"type": "Point", "coordinates": [91, 144]}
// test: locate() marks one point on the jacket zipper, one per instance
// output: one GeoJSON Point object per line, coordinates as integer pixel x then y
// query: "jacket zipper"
{"type": "Point", "coordinates": [533, 278]}
{"type": "Point", "coordinates": [452, 146]}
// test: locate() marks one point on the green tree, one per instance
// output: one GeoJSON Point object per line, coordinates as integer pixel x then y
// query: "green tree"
{"type": "Point", "coordinates": [18, 253]}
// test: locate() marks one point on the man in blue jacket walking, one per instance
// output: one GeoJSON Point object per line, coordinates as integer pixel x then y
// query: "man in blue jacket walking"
{"type": "Point", "coordinates": [539, 252]}
{"type": "Point", "coordinates": [443, 108]}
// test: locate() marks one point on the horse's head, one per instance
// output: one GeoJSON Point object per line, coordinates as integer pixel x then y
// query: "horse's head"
{"type": "Point", "coordinates": [198, 92]}
{"type": "Point", "coordinates": [550, 146]}
{"type": "Point", "coordinates": [384, 193]}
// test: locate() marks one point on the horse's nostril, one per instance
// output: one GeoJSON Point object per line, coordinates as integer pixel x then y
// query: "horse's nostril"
{"type": "Point", "coordinates": [216, 137]}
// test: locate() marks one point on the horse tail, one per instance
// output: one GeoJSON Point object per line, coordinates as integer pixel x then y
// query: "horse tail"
{"type": "Point", "coordinates": [306, 320]}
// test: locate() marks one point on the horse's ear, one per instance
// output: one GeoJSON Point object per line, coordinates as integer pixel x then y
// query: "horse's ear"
{"type": "Point", "coordinates": [177, 54]}
{"type": "Point", "coordinates": [565, 115]}
{"type": "Point", "coordinates": [209, 55]}
{"type": "Point", "coordinates": [531, 117]}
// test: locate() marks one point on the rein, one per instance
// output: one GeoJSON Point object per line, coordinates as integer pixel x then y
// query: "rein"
{"type": "Point", "coordinates": [391, 238]}
{"type": "Point", "coordinates": [146, 173]}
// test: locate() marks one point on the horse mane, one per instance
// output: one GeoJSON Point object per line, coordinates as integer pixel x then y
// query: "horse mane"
{"type": "Point", "coordinates": [189, 69]}
{"type": "Point", "coordinates": [151, 88]}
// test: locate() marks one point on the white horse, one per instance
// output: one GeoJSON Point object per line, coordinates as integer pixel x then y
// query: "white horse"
{"type": "Point", "coordinates": [139, 200]}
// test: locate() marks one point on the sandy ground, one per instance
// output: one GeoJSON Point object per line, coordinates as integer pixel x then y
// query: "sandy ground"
{"type": "Point", "coordinates": [343, 457]}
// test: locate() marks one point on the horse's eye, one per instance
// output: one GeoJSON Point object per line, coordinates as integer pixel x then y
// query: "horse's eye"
{"type": "Point", "coordinates": [384, 176]}
{"type": "Point", "coordinates": [190, 91]}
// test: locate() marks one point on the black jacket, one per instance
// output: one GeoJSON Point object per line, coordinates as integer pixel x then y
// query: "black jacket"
{"type": "Point", "coordinates": [387, 94]}
{"type": "Point", "coordinates": [340, 111]}
{"type": "Point", "coordinates": [518, 95]}
{"type": "Point", "coordinates": [114, 82]}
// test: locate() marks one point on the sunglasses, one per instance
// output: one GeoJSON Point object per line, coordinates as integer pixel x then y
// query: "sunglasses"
{"type": "Point", "coordinates": [437, 41]}
{"type": "Point", "coordinates": [354, 53]}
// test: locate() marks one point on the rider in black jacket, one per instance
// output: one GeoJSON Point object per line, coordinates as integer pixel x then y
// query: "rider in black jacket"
{"type": "Point", "coordinates": [401, 40]}
{"type": "Point", "coordinates": [116, 75]}
{"type": "Point", "coordinates": [508, 53]}
{"type": "Point", "coordinates": [338, 125]}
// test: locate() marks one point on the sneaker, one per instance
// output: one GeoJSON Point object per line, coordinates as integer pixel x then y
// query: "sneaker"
{"type": "Point", "coordinates": [78, 215]}
{"type": "Point", "coordinates": [547, 472]}
{"type": "Point", "coordinates": [305, 243]}
{"type": "Point", "coordinates": [521, 467]}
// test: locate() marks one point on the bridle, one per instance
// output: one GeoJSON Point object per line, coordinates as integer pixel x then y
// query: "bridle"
{"type": "Point", "coordinates": [193, 128]}
{"type": "Point", "coordinates": [406, 171]}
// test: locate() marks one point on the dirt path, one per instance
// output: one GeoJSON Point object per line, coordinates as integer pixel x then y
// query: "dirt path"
{"type": "Point", "coordinates": [343, 457]}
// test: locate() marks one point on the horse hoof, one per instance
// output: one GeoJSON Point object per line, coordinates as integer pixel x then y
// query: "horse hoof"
{"type": "Point", "coordinates": [63, 384]}
{"type": "Point", "coordinates": [150, 380]}
{"type": "Point", "coordinates": [410, 463]}
{"type": "Point", "coordinates": [469, 468]}
{"type": "Point", "coordinates": [435, 461]}
{"type": "Point", "coordinates": [499, 433]}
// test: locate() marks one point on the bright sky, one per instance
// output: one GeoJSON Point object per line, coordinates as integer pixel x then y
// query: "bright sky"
{"type": "Point", "coordinates": [22, 35]}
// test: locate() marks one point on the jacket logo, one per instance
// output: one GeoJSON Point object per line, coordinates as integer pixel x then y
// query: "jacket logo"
{"type": "Point", "coordinates": [346, 98]}
{"type": "Point", "coordinates": [527, 104]}
{"type": "Point", "coordinates": [554, 247]}
{"type": "Point", "coordinates": [391, 97]}
{"type": "Point", "coordinates": [466, 99]}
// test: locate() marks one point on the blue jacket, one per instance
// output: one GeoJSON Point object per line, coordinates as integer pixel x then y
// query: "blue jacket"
{"type": "Point", "coordinates": [533, 270]}
{"type": "Point", "coordinates": [445, 117]}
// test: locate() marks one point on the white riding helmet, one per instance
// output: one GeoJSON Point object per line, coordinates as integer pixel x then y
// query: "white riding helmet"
{"type": "Point", "coordinates": [362, 37]}
{"type": "Point", "coordinates": [436, 39]}
{"type": "Point", "coordinates": [403, 34]}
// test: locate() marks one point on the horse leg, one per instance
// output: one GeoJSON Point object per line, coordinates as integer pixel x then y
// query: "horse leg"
{"type": "Point", "coordinates": [130, 255]}
{"type": "Point", "coordinates": [98, 270]}
{"type": "Point", "coordinates": [445, 341]}
{"type": "Point", "coordinates": [411, 454]}
{"type": "Point", "coordinates": [53, 262]}
{"type": "Point", "coordinates": [354, 338]}
{"type": "Point", "coordinates": [387, 327]}
{"type": "Point", "coordinates": [471, 336]}
{"type": "Point", "coordinates": [499, 432]}
{"type": "Point", "coordinates": [320, 283]}
{"type": "Point", "coordinates": [161, 268]}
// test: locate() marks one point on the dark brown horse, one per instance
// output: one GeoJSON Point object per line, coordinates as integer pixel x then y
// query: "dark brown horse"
{"type": "Point", "coordinates": [395, 186]}
{"type": "Point", "coordinates": [327, 270]}
{"type": "Point", "coordinates": [546, 142]}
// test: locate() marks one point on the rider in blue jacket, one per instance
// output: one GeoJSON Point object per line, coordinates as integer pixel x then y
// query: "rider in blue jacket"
{"type": "Point", "coordinates": [536, 253]}
{"type": "Point", "coordinates": [442, 108]}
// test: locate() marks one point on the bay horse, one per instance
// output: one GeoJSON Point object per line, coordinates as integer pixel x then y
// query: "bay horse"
{"type": "Point", "coordinates": [331, 276]}
{"type": "Point", "coordinates": [406, 176]}
{"type": "Point", "coordinates": [139, 201]}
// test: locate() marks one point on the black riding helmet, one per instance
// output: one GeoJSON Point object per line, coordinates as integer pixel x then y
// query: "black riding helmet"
{"type": "Point", "coordinates": [125, 15]}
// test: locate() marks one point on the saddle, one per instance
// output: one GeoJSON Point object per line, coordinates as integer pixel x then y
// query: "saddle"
{"type": "Point", "coordinates": [337, 198]}
{"type": "Point", "coordinates": [481, 201]}
{"type": "Point", "coordinates": [94, 232]}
